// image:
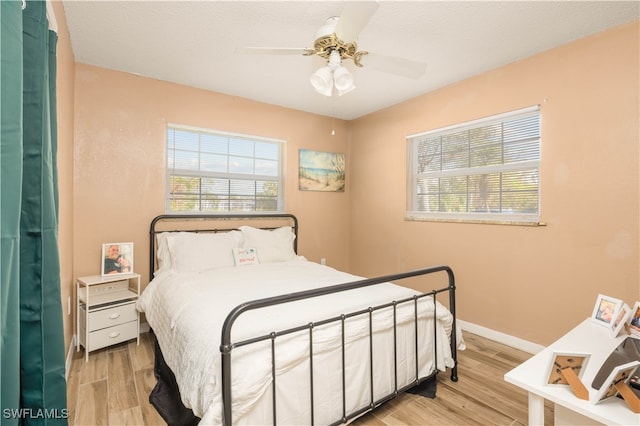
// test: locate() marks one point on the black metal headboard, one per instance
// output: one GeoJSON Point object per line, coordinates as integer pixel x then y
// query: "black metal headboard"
{"type": "Point", "coordinates": [214, 223]}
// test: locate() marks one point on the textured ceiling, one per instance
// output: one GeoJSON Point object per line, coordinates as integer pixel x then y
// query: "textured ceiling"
{"type": "Point", "coordinates": [194, 43]}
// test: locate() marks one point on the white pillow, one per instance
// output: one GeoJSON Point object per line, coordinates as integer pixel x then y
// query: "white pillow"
{"type": "Point", "coordinates": [163, 254]}
{"type": "Point", "coordinates": [272, 245]}
{"type": "Point", "coordinates": [195, 252]}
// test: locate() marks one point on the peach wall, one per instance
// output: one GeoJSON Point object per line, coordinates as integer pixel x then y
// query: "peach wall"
{"type": "Point", "coordinates": [531, 282]}
{"type": "Point", "coordinates": [119, 172]}
{"type": "Point", "coordinates": [64, 93]}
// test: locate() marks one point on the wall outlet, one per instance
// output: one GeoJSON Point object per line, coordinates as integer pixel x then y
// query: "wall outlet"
{"type": "Point", "coordinates": [323, 261]}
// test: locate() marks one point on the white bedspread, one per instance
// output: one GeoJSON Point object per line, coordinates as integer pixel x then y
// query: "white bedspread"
{"type": "Point", "coordinates": [186, 312]}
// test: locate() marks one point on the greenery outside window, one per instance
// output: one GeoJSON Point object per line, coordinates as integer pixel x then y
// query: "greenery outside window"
{"type": "Point", "coordinates": [486, 170]}
{"type": "Point", "coordinates": [218, 172]}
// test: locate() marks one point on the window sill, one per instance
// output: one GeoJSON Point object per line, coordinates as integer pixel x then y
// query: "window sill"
{"type": "Point", "coordinates": [517, 222]}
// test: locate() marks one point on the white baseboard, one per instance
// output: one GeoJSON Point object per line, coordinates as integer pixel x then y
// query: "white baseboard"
{"type": "Point", "coordinates": [144, 327]}
{"type": "Point", "coordinates": [505, 339]}
{"type": "Point", "coordinates": [69, 360]}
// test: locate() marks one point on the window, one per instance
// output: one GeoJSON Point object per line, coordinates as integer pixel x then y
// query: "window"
{"type": "Point", "coordinates": [484, 170]}
{"type": "Point", "coordinates": [209, 171]}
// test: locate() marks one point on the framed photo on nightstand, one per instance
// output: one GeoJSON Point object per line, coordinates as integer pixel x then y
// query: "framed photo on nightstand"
{"type": "Point", "coordinates": [604, 310]}
{"type": "Point", "coordinates": [634, 320]}
{"type": "Point", "coordinates": [117, 258]}
{"type": "Point", "coordinates": [621, 318]}
{"type": "Point", "coordinates": [620, 374]}
{"type": "Point", "coordinates": [576, 361]}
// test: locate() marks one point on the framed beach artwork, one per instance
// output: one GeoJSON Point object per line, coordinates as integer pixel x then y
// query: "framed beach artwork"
{"type": "Point", "coordinates": [321, 171]}
{"type": "Point", "coordinates": [117, 258]}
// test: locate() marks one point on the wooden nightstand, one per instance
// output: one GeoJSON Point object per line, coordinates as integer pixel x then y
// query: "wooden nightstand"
{"type": "Point", "coordinates": [106, 311]}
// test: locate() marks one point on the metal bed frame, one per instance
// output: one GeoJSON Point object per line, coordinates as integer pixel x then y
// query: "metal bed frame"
{"type": "Point", "coordinates": [227, 346]}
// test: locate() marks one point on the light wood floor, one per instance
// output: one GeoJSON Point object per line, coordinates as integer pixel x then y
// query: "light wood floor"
{"type": "Point", "coordinates": [113, 388]}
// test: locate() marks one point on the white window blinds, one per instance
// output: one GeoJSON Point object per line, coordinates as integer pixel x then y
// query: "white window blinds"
{"type": "Point", "coordinates": [486, 170]}
{"type": "Point", "coordinates": [212, 171]}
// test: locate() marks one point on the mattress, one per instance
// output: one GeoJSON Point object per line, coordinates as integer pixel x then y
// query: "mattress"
{"type": "Point", "coordinates": [187, 311]}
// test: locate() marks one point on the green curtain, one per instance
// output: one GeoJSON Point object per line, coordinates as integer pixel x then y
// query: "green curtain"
{"type": "Point", "coordinates": [33, 354]}
{"type": "Point", "coordinates": [10, 195]}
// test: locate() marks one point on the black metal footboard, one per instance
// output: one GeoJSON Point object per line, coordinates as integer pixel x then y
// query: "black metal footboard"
{"type": "Point", "coordinates": [227, 346]}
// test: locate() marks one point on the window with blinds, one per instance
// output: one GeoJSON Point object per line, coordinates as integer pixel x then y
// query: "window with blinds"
{"type": "Point", "coordinates": [484, 170]}
{"type": "Point", "coordinates": [209, 171]}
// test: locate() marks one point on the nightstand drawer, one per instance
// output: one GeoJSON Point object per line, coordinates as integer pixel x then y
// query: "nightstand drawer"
{"type": "Point", "coordinates": [112, 335]}
{"type": "Point", "coordinates": [112, 316]}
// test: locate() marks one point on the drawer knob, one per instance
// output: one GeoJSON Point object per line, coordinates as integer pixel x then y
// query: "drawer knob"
{"type": "Point", "coordinates": [114, 315]}
{"type": "Point", "coordinates": [114, 335]}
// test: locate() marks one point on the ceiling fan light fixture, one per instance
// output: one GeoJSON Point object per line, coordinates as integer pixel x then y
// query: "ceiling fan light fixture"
{"type": "Point", "coordinates": [336, 42]}
{"type": "Point", "coordinates": [343, 80]}
{"type": "Point", "coordinates": [333, 74]}
{"type": "Point", "coordinates": [321, 80]}
{"type": "Point", "coordinates": [345, 90]}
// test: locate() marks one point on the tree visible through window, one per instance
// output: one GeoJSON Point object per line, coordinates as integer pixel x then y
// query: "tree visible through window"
{"type": "Point", "coordinates": [218, 172]}
{"type": "Point", "coordinates": [483, 170]}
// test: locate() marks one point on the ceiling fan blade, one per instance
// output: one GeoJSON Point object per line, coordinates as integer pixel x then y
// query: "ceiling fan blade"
{"type": "Point", "coordinates": [354, 18]}
{"type": "Point", "coordinates": [393, 65]}
{"type": "Point", "coordinates": [275, 50]}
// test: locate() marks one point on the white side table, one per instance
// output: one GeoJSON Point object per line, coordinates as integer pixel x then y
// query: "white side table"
{"type": "Point", "coordinates": [587, 337]}
{"type": "Point", "coordinates": [106, 311]}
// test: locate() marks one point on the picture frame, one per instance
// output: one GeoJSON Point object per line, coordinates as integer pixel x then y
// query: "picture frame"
{"type": "Point", "coordinates": [620, 319]}
{"type": "Point", "coordinates": [560, 360]}
{"type": "Point", "coordinates": [321, 171]}
{"type": "Point", "coordinates": [117, 258]}
{"type": "Point", "coordinates": [620, 374]}
{"type": "Point", "coordinates": [605, 310]}
{"type": "Point", "coordinates": [634, 320]}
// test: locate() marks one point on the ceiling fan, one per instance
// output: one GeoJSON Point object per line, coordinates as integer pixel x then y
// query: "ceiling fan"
{"type": "Point", "coordinates": [335, 41]}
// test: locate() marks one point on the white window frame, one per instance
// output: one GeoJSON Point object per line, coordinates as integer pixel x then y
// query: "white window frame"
{"type": "Point", "coordinates": [173, 171]}
{"type": "Point", "coordinates": [502, 217]}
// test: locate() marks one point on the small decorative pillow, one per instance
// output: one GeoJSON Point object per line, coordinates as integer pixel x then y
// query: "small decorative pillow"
{"type": "Point", "coordinates": [245, 256]}
{"type": "Point", "coordinates": [195, 252]}
{"type": "Point", "coordinates": [271, 245]}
